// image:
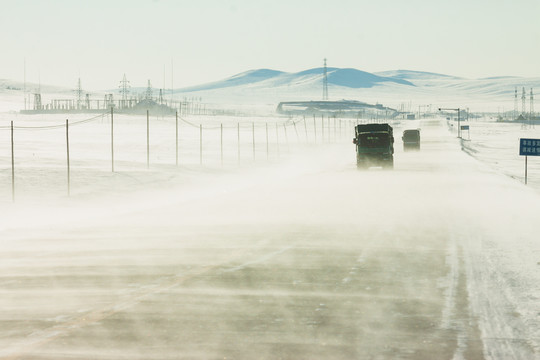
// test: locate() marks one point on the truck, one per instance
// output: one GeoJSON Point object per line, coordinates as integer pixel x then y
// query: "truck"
{"type": "Point", "coordinates": [411, 139]}
{"type": "Point", "coordinates": [374, 145]}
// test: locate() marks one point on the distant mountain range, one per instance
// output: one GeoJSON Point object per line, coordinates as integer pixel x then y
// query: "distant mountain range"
{"type": "Point", "coordinates": [392, 88]}
{"type": "Point", "coordinates": [351, 78]}
{"type": "Point", "coordinates": [388, 87]}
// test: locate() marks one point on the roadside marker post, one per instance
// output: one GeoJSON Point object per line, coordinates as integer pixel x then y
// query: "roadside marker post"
{"type": "Point", "coordinates": [253, 138]}
{"type": "Point", "coordinates": [112, 139]}
{"type": "Point", "coordinates": [147, 139]}
{"type": "Point", "coordinates": [466, 127]}
{"type": "Point", "coordinates": [221, 143]}
{"type": "Point", "coordinates": [267, 145]}
{"type": "Point", "coordinates": [177, 137]}
{"type": "Point", "coordinates": [529, 147]}
{"type": "Point", "coordinates": [67, 160]}
{"type": "Point", "coordinates": [12, 165]}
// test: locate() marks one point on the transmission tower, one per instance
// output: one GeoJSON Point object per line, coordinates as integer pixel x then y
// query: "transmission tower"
{"type": "Point", "coordinates": [325, 82]}
{"type": "Point", "coordinates": [124, 90]}
{"type": "Point", "coordinates": [523, 98]}
{"type": "Point", "coordinates": [79, 92]}
{"type": "Point", "coordinates": [515, 104]}
{"type": "Point", "coordinates": [149, 91]}
{"type": "Point", "coordinates": [37, 95]}
{"type": "Point", "coordinates": [532, 105]}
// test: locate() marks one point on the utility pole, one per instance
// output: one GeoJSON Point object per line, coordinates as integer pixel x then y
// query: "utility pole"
{"type": "Point", "coordinates": [172, 82]}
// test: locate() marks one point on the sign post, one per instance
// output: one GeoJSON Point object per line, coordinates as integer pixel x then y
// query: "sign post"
{"type": "Point", "coordinates": [466, 127]}
{"type": "Point", "coordinates": [529, 147]}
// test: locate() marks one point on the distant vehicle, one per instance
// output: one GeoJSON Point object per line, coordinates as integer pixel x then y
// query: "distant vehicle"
{"type": "Point", "coordinates": [411, 139]}
{"type": "Point", "coordinates": [374, 145]}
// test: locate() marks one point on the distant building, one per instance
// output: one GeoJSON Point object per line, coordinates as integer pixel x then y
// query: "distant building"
{"type": "Point", "coordinates": [350, 108]}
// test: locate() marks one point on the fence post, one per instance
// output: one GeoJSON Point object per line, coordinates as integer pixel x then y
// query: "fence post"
{"type": "Point", "coordinates": [296, 131]}
{"type": "Point", "coordinates": [305, 128]}
{"type": "Point", "coordinates": [267, 147]}
{"type": "Point", "coordinates": [112, 139]}
{"type": "Point", "coordinates": [221, 143]}
{"type": "Point", "coordinates": [12, 166]}
{"type": "Point", "coordinates": [200, 143]}
{"type": "Point", "coordinates": [67, 152]}
{"type": "Point", "coordinates": [314, 130]}
{"type": "Point", "coordinates": [176, 137]}
{"type": "Point", "coordinates": [322, 128]}
{"type": "Point", "coordinates": [147, 139]}
{"type": "Point", "coordinates": [277, 139]}
{"type": "Point", "coordinates": [334, 139]}
{"type": "Point", "coordinates": [286, 137]}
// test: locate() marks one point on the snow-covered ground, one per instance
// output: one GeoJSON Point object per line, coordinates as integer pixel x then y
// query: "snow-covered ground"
{"type": "Point", "coordinates": [497, 144]}
{"type": "Point", "coordinates": [145, 151]}
{"type": "Point", "coordinates": [278, 246]}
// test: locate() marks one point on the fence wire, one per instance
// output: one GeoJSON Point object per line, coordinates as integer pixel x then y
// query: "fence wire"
{"type": "Point", "coordinates": [237, 140]}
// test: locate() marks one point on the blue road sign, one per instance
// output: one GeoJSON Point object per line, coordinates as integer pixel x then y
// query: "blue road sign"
{"type": "Point", "coordinates": [464, 127]}
{"type": "Point", "coordinates": [529, 147]}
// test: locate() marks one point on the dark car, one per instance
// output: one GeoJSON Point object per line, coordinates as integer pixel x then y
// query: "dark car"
{"type": "Point", "coordinates": [411, 139]}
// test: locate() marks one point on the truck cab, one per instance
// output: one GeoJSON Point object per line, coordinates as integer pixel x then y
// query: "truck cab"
{"type": "Point", "coordinates": [374, 145]}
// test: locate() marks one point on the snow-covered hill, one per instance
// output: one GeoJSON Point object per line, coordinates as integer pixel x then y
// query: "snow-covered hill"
{"type": "Point", "coordinates": [245, 78]}
{"type": "Point", "coordinates": [392, 88]}
{"type": "Point", "coordinates": [413, 76]}
{"type": "Point", "coordinates": [264, 78]}
{"type": "Point", "coordinates": [267, 87]}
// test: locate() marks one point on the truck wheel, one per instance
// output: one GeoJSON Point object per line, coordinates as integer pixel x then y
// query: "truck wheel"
{"type": "Point", "coordinates": [388, 164]}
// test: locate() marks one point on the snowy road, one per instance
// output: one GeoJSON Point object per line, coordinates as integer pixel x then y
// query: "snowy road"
{"type": "Point", "coordinates": [310, 259]}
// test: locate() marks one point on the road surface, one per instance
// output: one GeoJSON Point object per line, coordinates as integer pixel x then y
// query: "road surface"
{"type": "Point", "coordinates": [307, 259]}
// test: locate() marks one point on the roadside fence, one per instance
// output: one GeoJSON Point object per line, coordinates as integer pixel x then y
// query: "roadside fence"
{"type": "Point", "coordinates": [127, 143]}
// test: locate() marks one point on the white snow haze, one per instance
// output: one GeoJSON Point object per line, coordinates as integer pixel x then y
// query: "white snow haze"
{"type": "Point", "coordinates": [212, 205]}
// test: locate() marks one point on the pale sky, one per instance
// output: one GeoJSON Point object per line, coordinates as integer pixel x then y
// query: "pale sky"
{"type": "Point", "coordinates": [209, 40]}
